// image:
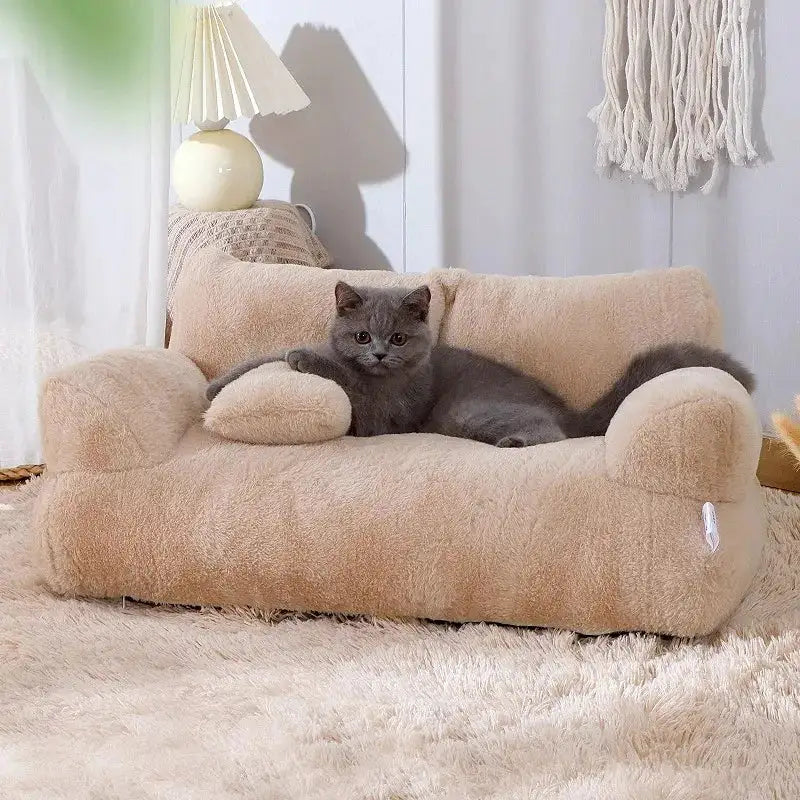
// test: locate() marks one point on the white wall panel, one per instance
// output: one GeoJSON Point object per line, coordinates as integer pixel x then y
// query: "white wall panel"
{"type": "Point", "coordinates": [519, 190]}
{"type": "Point", "coordinates": [485, 104]}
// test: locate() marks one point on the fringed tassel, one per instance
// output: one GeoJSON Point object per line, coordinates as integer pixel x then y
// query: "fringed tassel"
{"type": "Point", "coordinates": [678, 77]}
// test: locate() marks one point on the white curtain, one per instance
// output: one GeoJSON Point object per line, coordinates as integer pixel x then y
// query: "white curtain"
{"type": "Point", "coordinates": [82, 227]}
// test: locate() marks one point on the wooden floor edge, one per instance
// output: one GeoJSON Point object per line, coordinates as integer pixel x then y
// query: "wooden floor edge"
{"type": "Point", "coordinates": [777, 467]}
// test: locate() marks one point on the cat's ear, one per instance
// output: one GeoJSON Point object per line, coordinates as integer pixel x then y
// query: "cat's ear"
{"type": "Point", "coordinates": [418, 302]}
{"type": "Point", "coordinates": [347, 298]}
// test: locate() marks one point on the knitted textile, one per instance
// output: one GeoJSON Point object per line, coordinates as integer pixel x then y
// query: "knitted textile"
{"type": "Point", "coordinates": [269, 232]}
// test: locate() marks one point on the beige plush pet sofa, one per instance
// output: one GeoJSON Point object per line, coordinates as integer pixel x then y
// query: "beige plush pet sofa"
{"type": "Point", "coordinates": [142, 499]}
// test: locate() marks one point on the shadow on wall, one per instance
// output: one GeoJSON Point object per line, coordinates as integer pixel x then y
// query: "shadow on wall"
{"type": "Point", "coordinates": [449, 65]}
{"type": "Point", "coordinates": [758, 21]}
{"type": "Point", "coordinates": [343, 139]}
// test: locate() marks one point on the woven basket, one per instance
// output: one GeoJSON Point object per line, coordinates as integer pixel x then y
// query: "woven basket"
{"type": "Point", "coordinates": [10, 474]}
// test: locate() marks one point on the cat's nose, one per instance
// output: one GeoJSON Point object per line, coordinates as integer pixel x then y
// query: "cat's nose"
{"type": "Point", "coordinates": [380, 356]}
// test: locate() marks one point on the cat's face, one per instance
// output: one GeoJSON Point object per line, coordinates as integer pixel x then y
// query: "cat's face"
{"type": "Point", "coordinates": [381, 331]}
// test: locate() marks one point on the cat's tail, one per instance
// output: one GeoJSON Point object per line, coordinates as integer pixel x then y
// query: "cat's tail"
{"type": "Point", "coordinates": [217, 385]}
{"type": "Point", "coordinates": [594, 421]}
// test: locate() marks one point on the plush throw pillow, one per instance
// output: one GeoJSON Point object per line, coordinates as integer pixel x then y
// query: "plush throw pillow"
{"type": "Point", "coordinates": [273, 404]}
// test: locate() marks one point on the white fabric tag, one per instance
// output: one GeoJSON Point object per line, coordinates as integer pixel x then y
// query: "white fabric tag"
{"type": "Point", "coordinates": [710, 522]}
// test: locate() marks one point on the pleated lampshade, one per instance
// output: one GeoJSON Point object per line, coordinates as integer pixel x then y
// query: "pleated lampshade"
{"type": "Point", "coordinates": [222, 68]}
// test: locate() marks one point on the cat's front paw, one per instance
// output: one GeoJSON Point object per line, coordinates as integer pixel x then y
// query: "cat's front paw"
{"type": "Point", "coordinates": [299, 360]}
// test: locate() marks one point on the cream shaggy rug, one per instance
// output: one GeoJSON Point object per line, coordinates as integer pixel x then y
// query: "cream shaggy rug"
{"type": "Point", "coordinates": [100, 701]}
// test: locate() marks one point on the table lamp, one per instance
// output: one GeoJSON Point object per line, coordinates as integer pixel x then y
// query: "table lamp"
{"type": "Point", "coordinates": [223, 69]}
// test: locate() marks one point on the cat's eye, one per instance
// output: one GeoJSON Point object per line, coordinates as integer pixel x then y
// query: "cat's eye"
{"type": "Point", "coordinates": [398, 339]}
{"type": "Point", "coordinates": [362, 337]}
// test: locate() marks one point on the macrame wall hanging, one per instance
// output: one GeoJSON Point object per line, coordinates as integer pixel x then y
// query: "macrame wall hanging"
{"type": "Point", "coordinates": [678, 80]}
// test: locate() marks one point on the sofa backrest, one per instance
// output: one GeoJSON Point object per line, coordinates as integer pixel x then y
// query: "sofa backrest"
{"type": "Point", "coordinates": [225, 310]}
{"type": "Point", "coordinates": [575, 334]}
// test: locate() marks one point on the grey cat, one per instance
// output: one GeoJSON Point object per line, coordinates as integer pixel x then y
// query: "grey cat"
{"type": "Point", "coordinates": [380, 352]}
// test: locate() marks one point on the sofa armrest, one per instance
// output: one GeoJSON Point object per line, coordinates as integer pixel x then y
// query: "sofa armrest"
{"type": "Point", "coordinates": [120, 410]}
{"type": "Point", "coordinates": [692, 432]}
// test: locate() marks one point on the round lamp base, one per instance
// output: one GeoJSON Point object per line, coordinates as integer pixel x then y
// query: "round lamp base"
{"type": "Point", "coordinates": [217, 171]}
